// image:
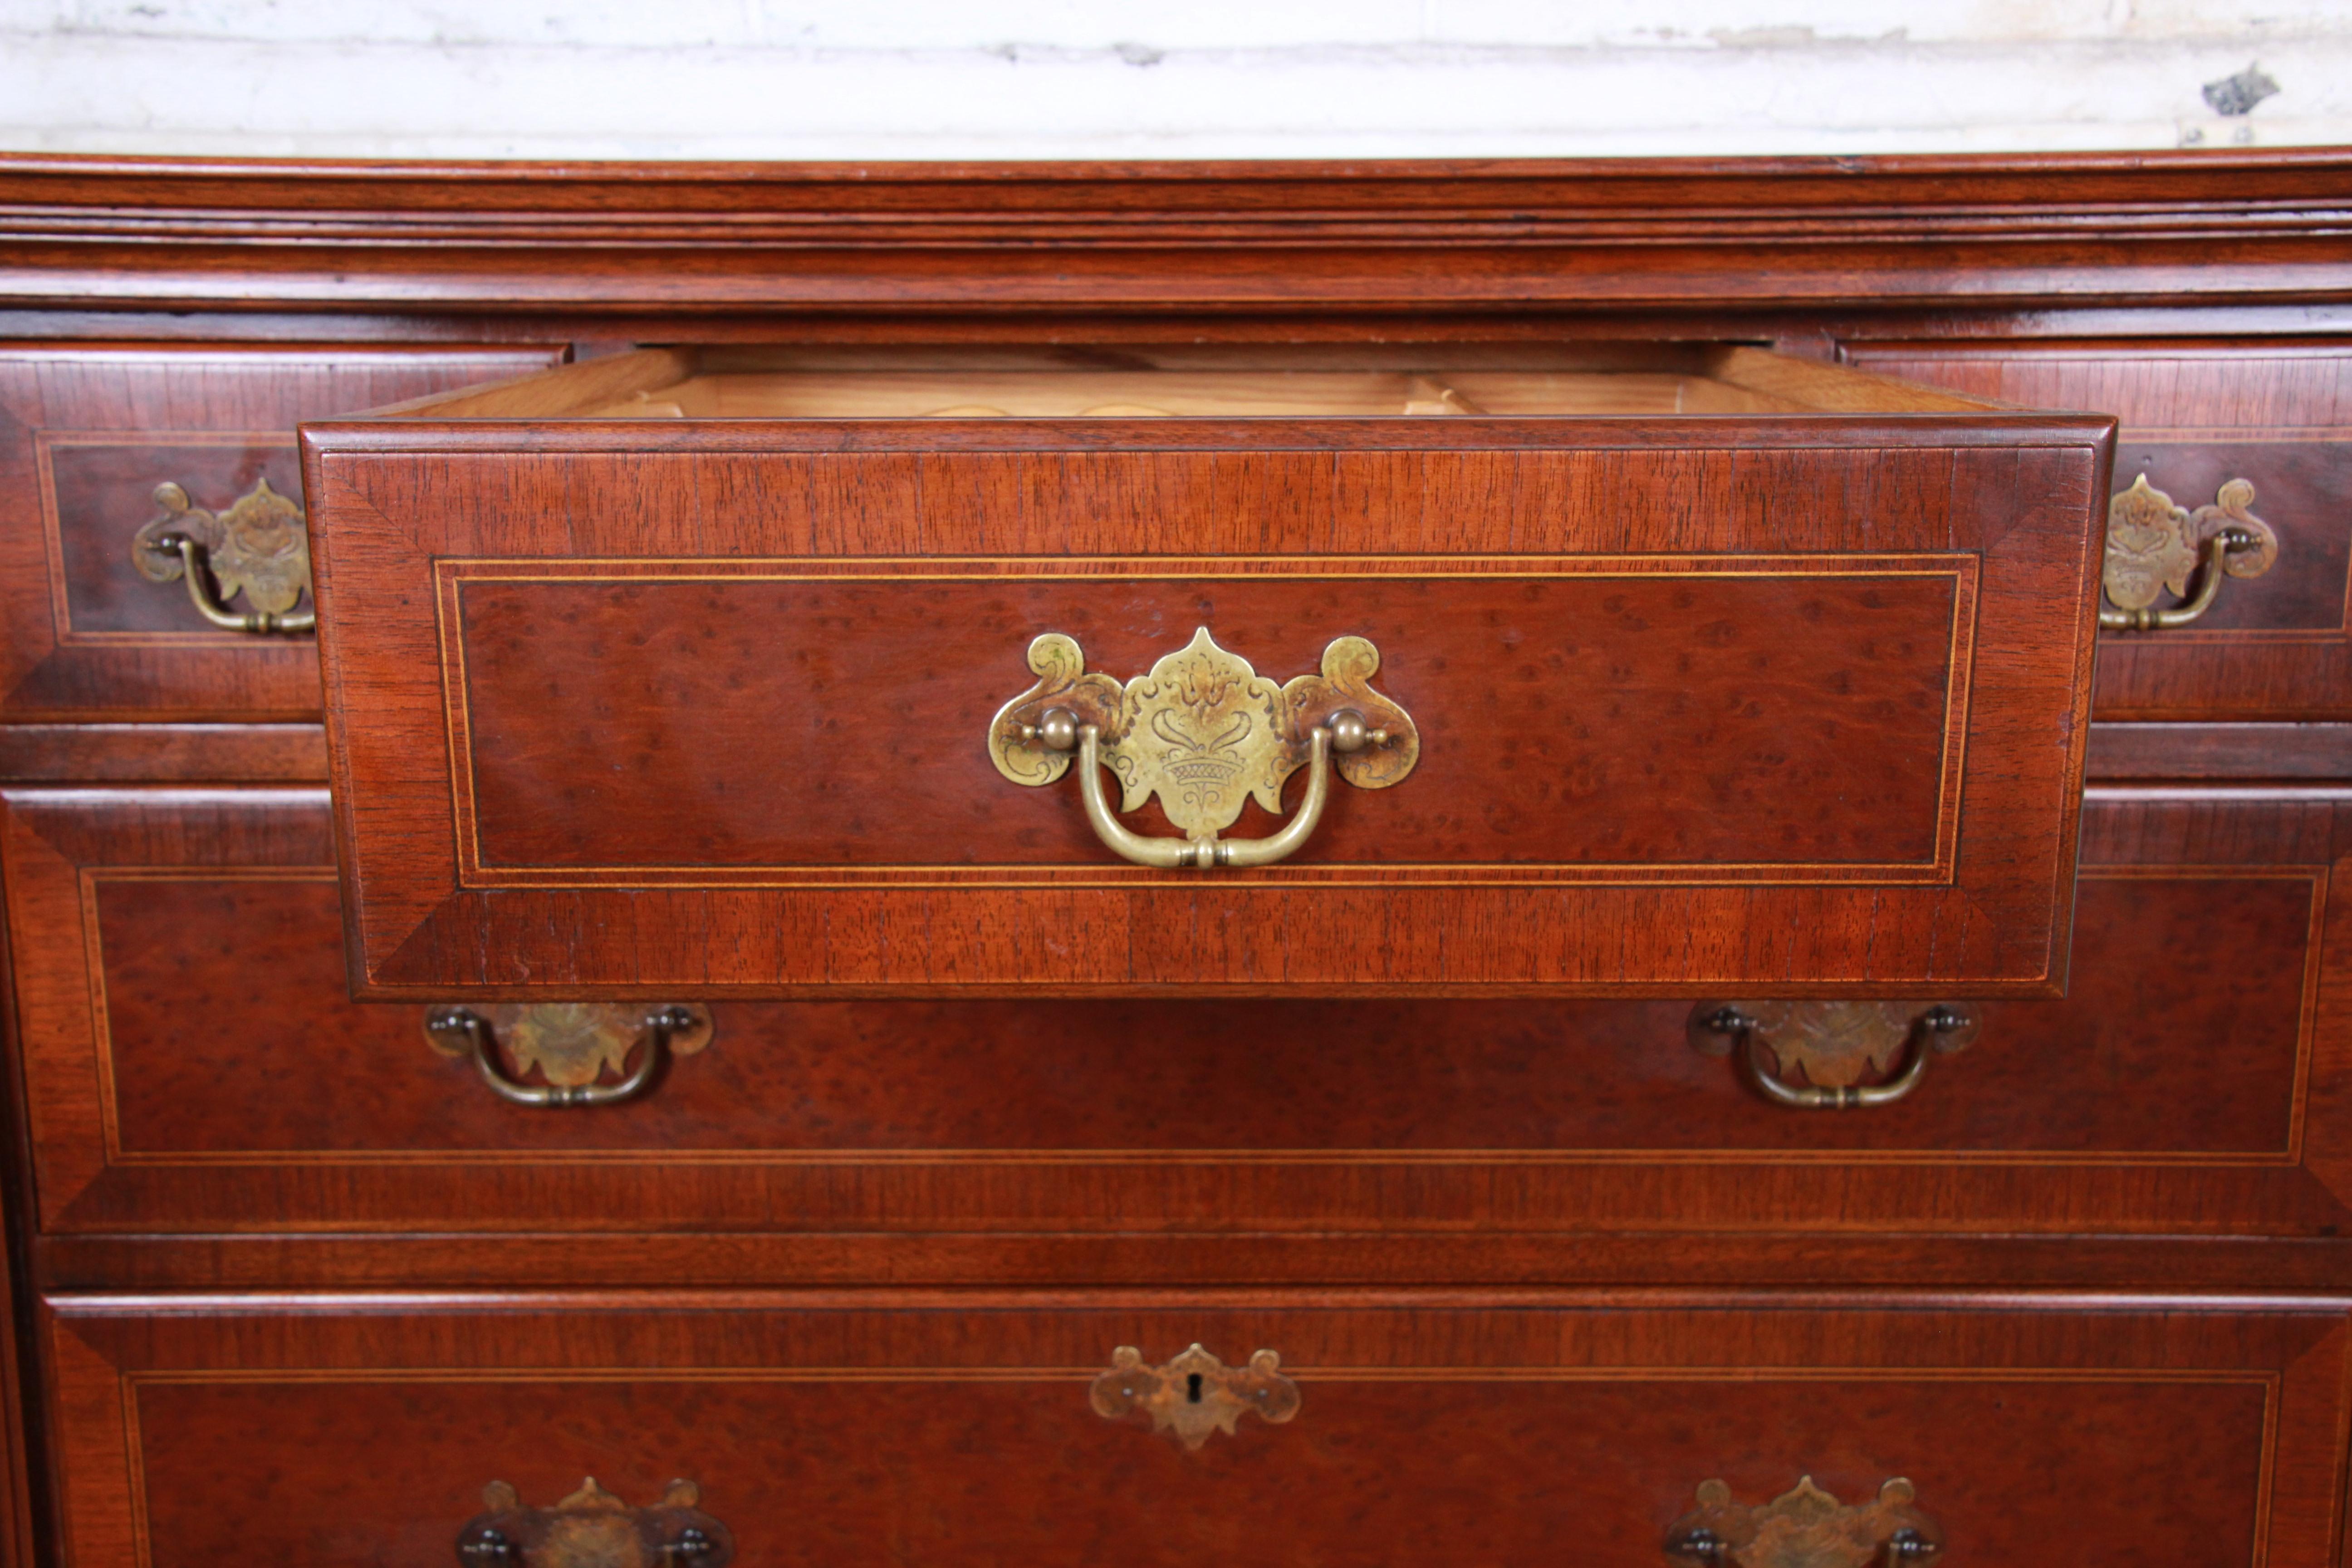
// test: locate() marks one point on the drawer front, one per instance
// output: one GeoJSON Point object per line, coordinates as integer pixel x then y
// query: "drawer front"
{"type": "Point", "coordinates": [194, 1064]}
{"type": "Point", "coordinates": [88, 433]}
{"type": "Point", "coordinates": [970, 1429]}
{"type": "Point", "coordinates": [755, 717]}
{"type": "Point", "coordinates": [2195, 419]}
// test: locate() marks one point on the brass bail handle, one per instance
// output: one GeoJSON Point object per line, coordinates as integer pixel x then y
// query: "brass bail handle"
{"type": "Point", "coordinates": [257, 547]}
{"type": "Point", "coordinates": [2154, 546]}
{"type": "Point", "coordinates": [1205, 734]}
{"type": "Point", "coordinates": [572, 1044]}
{"type": "Point", "coordinates": [1836, 1045]}
{"type": "Point", "coordinates": [1344, 734]}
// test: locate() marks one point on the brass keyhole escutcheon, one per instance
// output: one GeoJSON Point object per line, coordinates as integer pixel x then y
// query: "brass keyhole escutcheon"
{"type": "Point", "coordinates": [1193, 1396]}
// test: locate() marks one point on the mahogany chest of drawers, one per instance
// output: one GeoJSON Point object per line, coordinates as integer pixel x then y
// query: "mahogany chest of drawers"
{"type": "Point", "coordinates": [1626, 863]}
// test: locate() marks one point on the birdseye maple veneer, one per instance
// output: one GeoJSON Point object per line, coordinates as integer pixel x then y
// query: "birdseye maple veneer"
{"type": "Point", "coordinates": [1653, 669]}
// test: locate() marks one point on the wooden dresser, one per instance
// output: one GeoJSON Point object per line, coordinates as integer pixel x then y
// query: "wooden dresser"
{"type": "Point", "coordinates": [1614, 863]}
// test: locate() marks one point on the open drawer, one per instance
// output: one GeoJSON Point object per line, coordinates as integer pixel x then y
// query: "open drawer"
{"type": "Point", "coordinates": [1652, 668]}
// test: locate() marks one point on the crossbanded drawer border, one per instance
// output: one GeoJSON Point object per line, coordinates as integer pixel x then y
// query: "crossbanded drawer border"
{"type": "Point", "coordinates": [1962, 569]}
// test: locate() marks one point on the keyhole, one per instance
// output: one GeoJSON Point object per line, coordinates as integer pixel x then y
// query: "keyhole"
{"type": "Point", "coordinates": [1193, 1389]}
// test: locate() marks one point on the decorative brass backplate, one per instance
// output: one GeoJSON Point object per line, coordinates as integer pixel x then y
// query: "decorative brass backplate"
{"type": "Point", "coordinates": [2154, 545]}
{"type": "Point", "coordinates": [257, 547]}
{"type": "Point", "coordinates": [593, 1529]}
{"type": "Point", "coordinates": [1832, 1045]}
{"type": "Point", "coordinates": [1195, 1393]}
{"type": "Point", "coordinates": [1204, 732]}
{"type": "Point", "coordinates": [1804, 1526]}
{"type": "Point", "coordinates": [572, 1044]}
{"type": "Point", "coordinates": [1832, 1056]}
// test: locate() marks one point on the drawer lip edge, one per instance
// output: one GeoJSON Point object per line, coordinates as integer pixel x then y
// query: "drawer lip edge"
{"type": "Point", "coordinates": [537, 437]}
{"type": "Point", "coordinates": [71, 1304]}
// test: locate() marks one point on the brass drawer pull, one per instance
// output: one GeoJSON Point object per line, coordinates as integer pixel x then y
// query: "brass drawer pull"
{"type": "Point", "coordinates": [593, 1529]}
{"type": "Point", "coordinates": [572, 1044]}
{"type": "Point", "coordinates": [1195, 1393]}
{"type": "Point", "coordinates": [1834, 1044]}
{"type": "Point", "coordinates": [1803, 1528]}
{"type": "Point", "coordinates": [1205, 734]}
{"type": "Point", "coordinates": [257, 548]}
{"type": "Point", "coordinates": [2153, 544]}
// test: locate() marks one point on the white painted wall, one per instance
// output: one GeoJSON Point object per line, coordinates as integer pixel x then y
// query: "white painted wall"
{"type": "Point", "coordinates": [1086, 78]}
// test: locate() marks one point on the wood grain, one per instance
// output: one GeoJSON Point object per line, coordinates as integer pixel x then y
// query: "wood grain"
{"type": "Point", "coordinates": [207, 753]}
{"type": "Point", "coordinates": [1759, 1260]}
{"type": "Point", "coordinates": [1412, 237]}
{"type": "Point", "coordinates": [2320, 750]}
{"type": "Point", "coordinates": [1566, 727]}
{"type": "Point", "coordinates": [137, 909]}
{"type": "Point", "coordinates": [954, 1429]}
{"type": "Point", "coordinates": [1392, 1189]}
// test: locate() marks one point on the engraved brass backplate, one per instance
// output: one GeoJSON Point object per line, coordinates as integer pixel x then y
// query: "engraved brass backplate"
{"type": "Point", "coordinates": [1203, 731]}
{"type": "Point", "coordinates": [257, 547]}
{"type": "Point", "coordinates": [1194, 1394]}
{"type": "Point", "coordinates": [1804, 1526]}
{"type": "Point", "coordinates": [1832, 1045]}
{"type": "Point", "coordinates": [593, 1529]}
{"type": "Point", "coordinates": [572, 1044]}
{"type": "Point", "coordinates": [1832, 1056]}
{"type": "Point", "coordinates": [2155, 546]}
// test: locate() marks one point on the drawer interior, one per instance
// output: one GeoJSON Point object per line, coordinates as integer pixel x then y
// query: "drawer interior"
{"type": "Point", "coordinates": [790, 381]}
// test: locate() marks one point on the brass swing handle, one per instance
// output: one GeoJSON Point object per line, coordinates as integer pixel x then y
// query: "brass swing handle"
{"type": "Point", "coordinates": [2154, 545]}
{"type": "Point", "coordinates": [1173, 854]}
{"type": "Point", "coordinates": [1205, 734]}
{"type": "Point", "coordinates": [1804, 1526]}
{"type": "Point", "coordinates": [1834, 1044]}
{"type": "Point", "coordinates": [257, 547]}
{"type": "Point", "coordinates": [572, 1044]}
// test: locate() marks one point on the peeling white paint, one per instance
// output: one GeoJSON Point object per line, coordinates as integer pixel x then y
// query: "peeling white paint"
{"type": "Point", "coordinates": [925, 79]}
